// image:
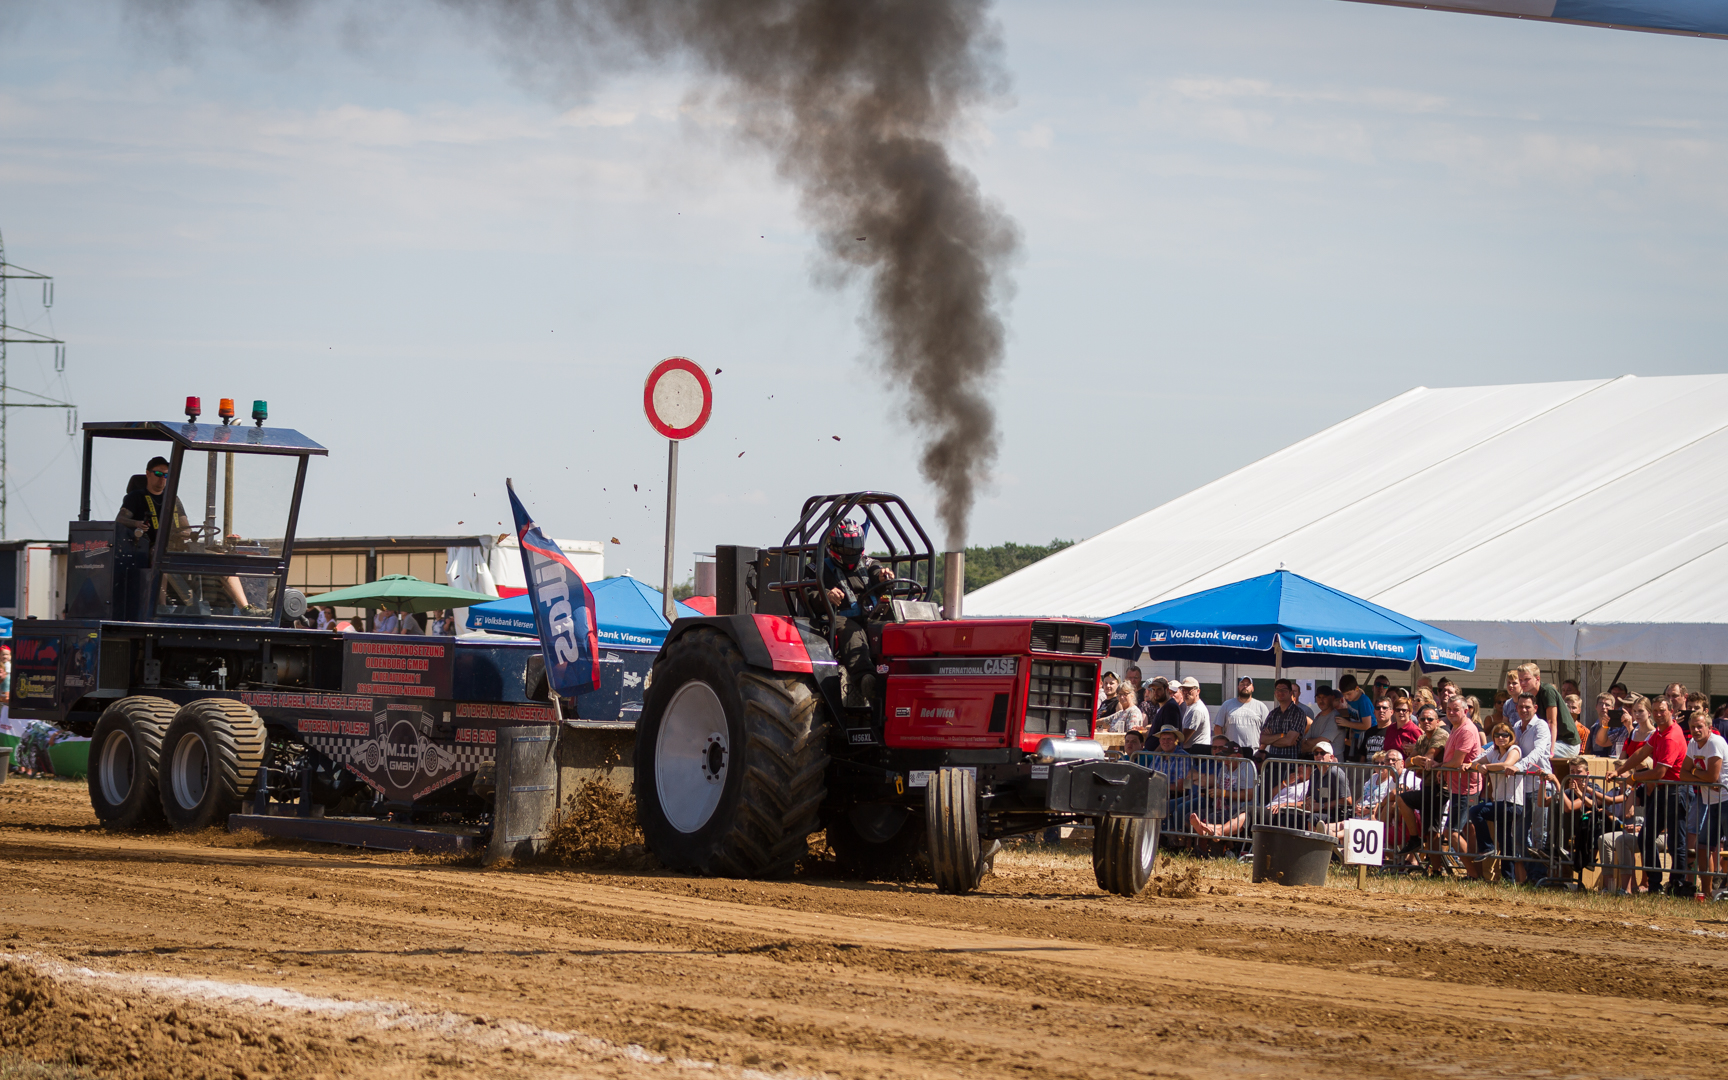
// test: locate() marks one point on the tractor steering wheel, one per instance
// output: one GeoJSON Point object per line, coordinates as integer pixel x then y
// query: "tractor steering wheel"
{"type": "Point", "coordinates": [895, 588]}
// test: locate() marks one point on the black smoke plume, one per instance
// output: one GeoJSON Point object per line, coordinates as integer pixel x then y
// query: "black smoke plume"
{"type": "Point", "coordinates": [857, 102]}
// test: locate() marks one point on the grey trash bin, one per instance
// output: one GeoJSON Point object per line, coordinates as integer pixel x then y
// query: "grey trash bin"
{"type": "Point", "coordinates": [1291, 856]}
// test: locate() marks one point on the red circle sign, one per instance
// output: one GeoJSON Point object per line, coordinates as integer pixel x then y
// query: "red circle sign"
{"type": "Point", "coordinates": [677, 397]}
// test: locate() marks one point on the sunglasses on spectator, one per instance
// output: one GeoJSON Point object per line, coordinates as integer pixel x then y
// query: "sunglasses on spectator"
{"type": "Point", "coordinates": [1503, 735]}
{"type": "Point", "coordinates": [158, 472]}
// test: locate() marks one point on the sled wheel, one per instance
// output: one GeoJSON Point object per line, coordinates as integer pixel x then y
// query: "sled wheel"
{"type": "Point", "coordinates": [123, 762]}
{"type": "Point", "coordinates": [210, 759]}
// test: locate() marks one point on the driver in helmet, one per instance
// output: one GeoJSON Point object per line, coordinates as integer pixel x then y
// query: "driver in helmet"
{"type": "Point", "coordinates": [848, 575]}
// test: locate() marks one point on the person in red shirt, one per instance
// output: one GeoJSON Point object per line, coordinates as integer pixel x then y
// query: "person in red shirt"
{"type": "Point", "coordinates": [1403, 732]}
{"type": "Point", "coordinates": [1651, 764]}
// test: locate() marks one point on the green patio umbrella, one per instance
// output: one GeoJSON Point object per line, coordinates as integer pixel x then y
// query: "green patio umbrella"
{"type": "Point", "coordinates": [400, 593]}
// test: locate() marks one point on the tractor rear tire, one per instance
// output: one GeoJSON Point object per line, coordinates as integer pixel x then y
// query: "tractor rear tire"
{"type": "Point", "coordinates": [123, 761]}
{"type": "Point", "coordinates": [211, 757]}
{"type": "Point", "coordinates": [951, 814]}
{"type": "Point", "coordinates": [731, 761]}
{"type": "Point", "coordinates": [876, 842]}
{"type": "Point", "coordinates": [1124, 853]}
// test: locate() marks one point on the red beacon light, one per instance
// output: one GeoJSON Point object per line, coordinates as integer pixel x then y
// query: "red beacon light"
{"type": "Point", "coordinates": [225, 409]}
{"type": "Point", "coordinates": [192, 410]}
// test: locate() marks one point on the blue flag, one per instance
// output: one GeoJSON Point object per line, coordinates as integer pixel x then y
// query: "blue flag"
{"type": "Point", "coordinates": [563, 608]}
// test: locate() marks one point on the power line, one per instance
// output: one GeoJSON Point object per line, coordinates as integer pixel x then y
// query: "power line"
{"type": "Point", "coordinates": [17, 335]}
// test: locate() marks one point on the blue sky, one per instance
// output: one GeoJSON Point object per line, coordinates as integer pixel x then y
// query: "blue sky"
{"type": "Point", "coordinates": [1244, 220]}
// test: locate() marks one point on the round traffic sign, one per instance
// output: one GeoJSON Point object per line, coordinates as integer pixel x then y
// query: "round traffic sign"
{"type": "Point", "coordinates": [677, 397]}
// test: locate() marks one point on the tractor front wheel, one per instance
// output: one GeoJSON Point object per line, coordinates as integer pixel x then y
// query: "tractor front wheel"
{"type": "Point", "coordinates": [1124, 853]}
{"type": "Point", "coordinates": [123, 761]}
{"type": "Point", "coordinates": [211, 756]}
{"type": "Point", "coordinates": [731, 761]}
{"type": "Point", "coordinates": [951, 814]}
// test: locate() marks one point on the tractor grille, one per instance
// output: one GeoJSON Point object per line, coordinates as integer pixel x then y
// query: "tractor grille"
{"type": "Point", "coordinates": [1061, 696]}
{"type": "Point", "coordinates": [1070, 638]}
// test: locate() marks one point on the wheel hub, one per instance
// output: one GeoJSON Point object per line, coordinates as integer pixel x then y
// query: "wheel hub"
{"type": "Point", "coordinates": [692, 757]}
{"type": "Point", "coordinates": [115, 765]}
{"type": "Point", "coordinates": [190, 771]}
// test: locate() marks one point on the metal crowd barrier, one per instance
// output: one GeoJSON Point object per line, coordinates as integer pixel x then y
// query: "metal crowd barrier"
{"type": "Point", "coordinates": [1512, 827]}
{"type": "Point", "coordinates": [1621, 834]}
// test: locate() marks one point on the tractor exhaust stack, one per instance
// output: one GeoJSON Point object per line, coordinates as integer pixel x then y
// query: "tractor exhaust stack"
{"type": "Point", "coordinates": [953, 583]}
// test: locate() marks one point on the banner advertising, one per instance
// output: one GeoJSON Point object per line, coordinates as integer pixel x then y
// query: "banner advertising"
{"type": "Point", "coordinates": [1700, 17]}
{"type": "Point", "coordinates": [563, 608]}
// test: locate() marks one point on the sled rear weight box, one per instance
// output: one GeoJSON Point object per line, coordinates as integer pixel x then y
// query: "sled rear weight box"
{"type": "Point", "coordinates": [1096, 788]}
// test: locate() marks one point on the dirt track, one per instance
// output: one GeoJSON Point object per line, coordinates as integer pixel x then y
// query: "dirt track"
{"type": "Point", "coordinates": [208, 957]}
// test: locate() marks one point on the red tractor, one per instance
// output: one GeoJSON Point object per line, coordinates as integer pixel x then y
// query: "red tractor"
{"type": "Point", "coordinates": [974, 730]}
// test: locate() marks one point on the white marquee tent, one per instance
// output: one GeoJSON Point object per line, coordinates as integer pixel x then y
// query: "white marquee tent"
{"type": "Point", "coordinates": [1564, 521]}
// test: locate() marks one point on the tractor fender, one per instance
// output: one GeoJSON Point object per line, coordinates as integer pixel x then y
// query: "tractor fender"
{"type": "Point", "coordinates": [773, 642]}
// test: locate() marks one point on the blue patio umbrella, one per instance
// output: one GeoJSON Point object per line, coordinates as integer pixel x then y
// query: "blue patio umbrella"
{"type": "Point", "coordinates": [627, 610]}
{"type": "Point", "coordinates": [5, 626]}
{"type": "Point", "coordinates": [1283, 619]}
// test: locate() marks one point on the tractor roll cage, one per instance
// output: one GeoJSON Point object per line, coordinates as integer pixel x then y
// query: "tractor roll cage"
{"type": "Point", "coordinates": [887, 519]}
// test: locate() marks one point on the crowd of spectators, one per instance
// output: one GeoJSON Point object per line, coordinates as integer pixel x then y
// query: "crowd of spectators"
{"type": "Point", "coordinates": [436, 623]}
{"type": "Point", "coordinates": [1494, 791]}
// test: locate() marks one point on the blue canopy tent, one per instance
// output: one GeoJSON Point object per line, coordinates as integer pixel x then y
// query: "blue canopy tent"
{"type": "Point", "coordinates": [1286, 620]}
{"type": "Point", "coordinates": [5, 626]}
{"type": "Point", "coordinates": [627, 610]}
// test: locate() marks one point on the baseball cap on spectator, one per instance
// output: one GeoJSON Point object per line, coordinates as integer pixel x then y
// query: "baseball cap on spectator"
{"type": "Point", "coordinates": [1191, 681]}
{"type": "Point", "coordinates": [1157, 679]}
{"type": "Point", "coordinates": [1323, 747]}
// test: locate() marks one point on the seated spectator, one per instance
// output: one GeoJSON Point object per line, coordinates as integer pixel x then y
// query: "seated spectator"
{"type": "Point", "coordinates": [1224, 786]}
{"type": "Point", "coordinates": [1133, 742]}
{"type": "Point", "coordinates": [1126, 715]}
{"type": "Point", "coordinates": [1586, 809]}
{"type": "Point", "coordinates": [1289, 807]}
{"type": "Point", "coordinates": [1496, 826]}
{"type": "Point", "coordinates": [1331, 798]}
{"type": "Point", "coordinates": [1574, 704]}
{"type": "Point", "coordinates": [1427, 754]}
{"type": "Point", "coordinates": [1171, 758]}
{"type": "Point", "coordinates": [1617, 847]}
{"type": "Point", "coordinates": [1620, 848]}
{"type": "Point", "coordinates": [1133, 677]}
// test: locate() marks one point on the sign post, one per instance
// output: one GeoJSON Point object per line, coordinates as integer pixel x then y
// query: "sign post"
{"type": "Point", "coordinates": [1364, 846]}
{"type": "Point", "coordinates": [677, 399]}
